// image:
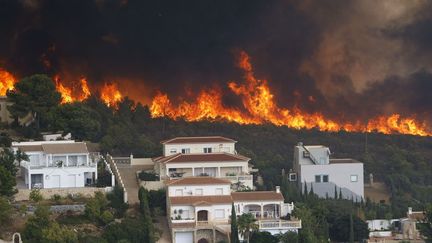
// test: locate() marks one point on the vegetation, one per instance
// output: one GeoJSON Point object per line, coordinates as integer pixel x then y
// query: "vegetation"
{"type": "Point", "coordinates": [234, 227]}
{"type": "Point", "coordinates": [247, 225]}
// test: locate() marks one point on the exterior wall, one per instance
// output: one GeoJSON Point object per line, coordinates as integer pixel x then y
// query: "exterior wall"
{"type": "Point", "coordinates": [198, 148]}
{"type": "Point", "coordinates": [244, 166]}
{"type": "Point", "coordinates": [23, 194]}
{"type": "Point", "coordinates": [68, 176]}
{"type": "Point", "coordinates": [339, 174]}
{"type": "Point", "coordinates": [379, 224]}
{"type": "Point", "coordinates": [190, 190]}
{"type": "Point", "coordinates": [320, 153]}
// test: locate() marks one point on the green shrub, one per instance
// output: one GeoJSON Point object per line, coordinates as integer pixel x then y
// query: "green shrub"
{"type": "Point", "coordinates": [106, 217]}
{"type": "Point", "coordinates": [56, 198]}
{"type": "Point", "coordinates": [35, 195]}
{"type": "Point", "coordinates": [146, 176]}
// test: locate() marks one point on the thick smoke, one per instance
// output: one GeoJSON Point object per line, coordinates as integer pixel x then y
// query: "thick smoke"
{"type": "Point", "coordinates": [347, 59]}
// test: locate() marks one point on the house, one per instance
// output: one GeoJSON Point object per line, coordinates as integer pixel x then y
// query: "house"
{"type": "Point", "coordinates": [57, 164]}
{"type": "Point", "coordinates": [312, 165]}
{"type": "Point", "coordinates": [213, 156]}
{"type": "Point", "coordinates": [397, 229]}
{"type": "Point", "coordinates": [6, 117]}
{"type": "Point", "coordinates": [199, 209]}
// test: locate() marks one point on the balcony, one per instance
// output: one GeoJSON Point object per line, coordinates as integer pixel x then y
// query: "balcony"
{"type": "Point", "coordinates": [279, 224]}
{"type": "Point", "coordinates": [29, 166]}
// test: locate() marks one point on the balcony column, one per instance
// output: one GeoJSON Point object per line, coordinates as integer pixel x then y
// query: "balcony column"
{"type": "Point", "coordinates": [29, 179]}
{"type": "Point", "coordinates": [219, 173]}
{"type": "Point", "coordinates": [262, 210]}
{"type": "Point", "coordinates": [67, 160]}
{"type": "Point", "coordinates": [193, 171]}
{"type": "Point", "coordinates": [87, 160]}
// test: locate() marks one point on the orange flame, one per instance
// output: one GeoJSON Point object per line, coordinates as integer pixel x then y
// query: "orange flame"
{"type": "Point", "coordinates": [260, 106]}
{"type": "Point", "coordinates": [85, 89]}
{"type": "Point", "coordinates": [110, 94]}
{"type": "Point", "coordinates": [7, 81]}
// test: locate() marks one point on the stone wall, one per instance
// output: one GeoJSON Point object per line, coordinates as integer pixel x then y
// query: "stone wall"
{"type": "Point", "coordinates": [23, 194]}
{"type": "Point", "coordinates": [152, 185]}
{"type": "Point", "coordinates": [204, 233]}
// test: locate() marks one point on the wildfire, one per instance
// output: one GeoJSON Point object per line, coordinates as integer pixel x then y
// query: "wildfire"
{"type": "Point", "coordinates": [7, 82]}
{"type": "Point", "coordinates": [260, 106]}
{"type": "Point", "coordinates": [110, 94]}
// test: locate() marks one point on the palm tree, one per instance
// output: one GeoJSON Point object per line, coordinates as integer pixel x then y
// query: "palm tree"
{"type": "Point", "coordinates": [246, 225]}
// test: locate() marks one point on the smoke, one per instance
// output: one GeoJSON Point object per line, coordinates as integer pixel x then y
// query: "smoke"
{"type": "Point", "coordinates": [346, 59]}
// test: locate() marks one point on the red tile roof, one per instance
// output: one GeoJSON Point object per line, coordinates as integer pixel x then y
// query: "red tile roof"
{"type": "Point", "coordinates": [210, 157]}
{"type": "Point", "coordinates": [201, 180]}
{"type": "Point", "coordinates": [209, 139]}
{"type": "Point", "coordinates": [257, 196]}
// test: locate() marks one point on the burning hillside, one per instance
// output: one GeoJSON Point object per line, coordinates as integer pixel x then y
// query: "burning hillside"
{"type": "Point", "coordinates": [259, 107]}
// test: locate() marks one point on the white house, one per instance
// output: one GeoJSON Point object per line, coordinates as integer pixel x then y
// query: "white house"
{"type": "Point", "coordinates": [198, 145]}
{"type": "Point", "coordinates": [199, 209]}
{"type": "Point", "coordinates": [57, 164]}
{"type": "Point", "coordinates": [312, 165]}
{"type": "Point", "coordinates": [203, 156]}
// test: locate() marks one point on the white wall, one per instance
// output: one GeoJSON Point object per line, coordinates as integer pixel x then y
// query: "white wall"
{"type": "Point", "coordinates": [69, 176]}
{"type": "Point", "coordinates": [320, 153]}
{"type": "Point", "coordinates": [244, 165]}
{"type": "Point", "coordinates": [190, 190]}
{"type": "Point", "coordinates": [339, 174]}
{"type": "Point", "coordinates": [198, 148]}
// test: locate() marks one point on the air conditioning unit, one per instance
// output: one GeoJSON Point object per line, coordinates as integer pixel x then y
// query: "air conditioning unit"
{"type": "Point", "coordinates": [292, 176]}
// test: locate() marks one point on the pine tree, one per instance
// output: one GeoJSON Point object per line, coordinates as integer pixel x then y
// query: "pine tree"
{"type": "Point", "coordinates": [306, 191]}
{"type": "Point", "coordinates": [351, 233]}
{"type": "Point", "coordinates": [335, 193]}
{"type": "Point", "coordinates": [234, 228]}
{"type": "Point", "coordinates": [340, 193]}
{"type": "Point", "coordinates": [311, 192]}
{"type": "Point", "coordinates": [145, 210]}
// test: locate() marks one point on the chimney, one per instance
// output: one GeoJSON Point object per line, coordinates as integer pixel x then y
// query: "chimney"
{"type": "Point", "coordinates": [277, 189]}
{"type": "Point", "coordinates": [299, 144]}
{"type": "Point", "coordinates": [409, 210]}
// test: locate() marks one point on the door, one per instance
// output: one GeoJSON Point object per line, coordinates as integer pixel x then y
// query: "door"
{"type": "Point", "coordinates": [55, 181]}
{"type": "Point", "coordinates": [203, 215]}
{"type": "Point", "coordinates": [183, 237]}
{"type": "Point", "coordinates": [71, 181]}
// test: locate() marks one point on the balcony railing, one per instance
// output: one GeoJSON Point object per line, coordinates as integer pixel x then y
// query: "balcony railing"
{"type": "Point", "coordinates": [27, 165]}
{"type": "Point", "coordinates": [279, 224]}
{"type": "Point", "coordinates": [238, 177]}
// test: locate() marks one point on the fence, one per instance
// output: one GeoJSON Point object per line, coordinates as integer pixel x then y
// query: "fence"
{"type": "Point", "coordinates": [118, 176]}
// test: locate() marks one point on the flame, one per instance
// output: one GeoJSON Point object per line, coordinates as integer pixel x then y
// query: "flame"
{"type": "Point", "coordinates": [7, 81]}
{"type": "Point", "coordinates": [85, 89]}
{"type": "Point", "coordinates": [110, 94]}
{"type": "Point", "coordinates": [260, 106]}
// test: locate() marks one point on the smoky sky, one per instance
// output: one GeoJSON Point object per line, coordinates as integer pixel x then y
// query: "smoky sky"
{"type": "Point", "coordinates": [357, 59]}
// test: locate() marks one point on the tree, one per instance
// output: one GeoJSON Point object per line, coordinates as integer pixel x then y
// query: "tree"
{"type": "Point", "coordinates": [340, 228]}
{"type": "Point", "coordinates": [247, 225]}
{"type": "Point", "coordinates": [35, 225]}
{"type": "Point", "coordinates": [5, 210]}
{"type": "Point", "coordinates": [58, 234]}
{"type": "Point", "coordinates": [263, 237]}
{"type": "Point", "coordinates": [340, 193]}
{"type": "Point", "coordinates": [351, 233]}
{"type": "Point", "coordinates": [7, 183]}
{"type": "Point", "coordinates": [147, 219]}
{"type": "Point", "coordinates": [289, 237]}
{"type": "Point", "coordinates": [426, 228]}
{"type": "Point", "coordinates": [78, 119]}
{"type": "Point", "coordinates": [234, 227]}
{"type": "Point", "coordinates": [335, 193]}
{"type": "Point", "coordinates": [36, 95]}
{"type": "Point", "coordinates": [95, 207]}
{"type": "Point", "coordinates": [35, 195]}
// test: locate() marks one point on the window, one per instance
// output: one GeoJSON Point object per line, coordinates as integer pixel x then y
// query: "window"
{"type": "Point", "coordinates": [198, 191]}
{"type": "Point", "coordinates": [318, 178]}
{"type": "Point", "coordinates": [179, 192]}
{"type": "Point", "coordinates": [207, 150]}
{"type": "Point", "coordinates": [325, 178]}
{"type": "Point", "coordinates": [219, 191]}
{"type": "Point", "coordinates": [219, 213]}
{"type": "Point", "coordinates": [293, 177]}
{"type": "Point", "coordinates": [173, 151]}
{"type": "Point", "coordinates": [185, 151]}
{"type": "Point", "coordinates": [354, 178]}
